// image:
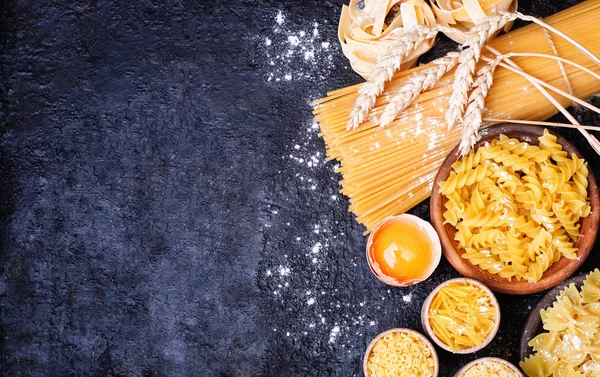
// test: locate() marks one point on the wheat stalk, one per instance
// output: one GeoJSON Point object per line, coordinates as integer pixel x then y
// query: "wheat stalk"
{"type": "Point", "coordinates": [387, 65]}
{"type": "Point", "coordinates": [463, 76]}
{"type": "Point", "coordinates": [476, 105]}
{"type": "Point", "coordinates": [416, 85]}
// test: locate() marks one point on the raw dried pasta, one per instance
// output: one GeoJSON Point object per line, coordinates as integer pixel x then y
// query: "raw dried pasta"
{"type": "Point", "coordinates": [570, 347]}
{"type": "Point", "coordinates": [461, 315]}
{"type": "Point", "coordinates": [464, 14]}
{"type": "Point", "coordinates": [516, 207]}
{"type": "Point", "coordinates": [400, 354]}
{"type": "Point", "coordinates": [367, 28]}
{"type": "Point", "coordinates": [490, 369]}
{"type": "Point", "coordinates": [388, 171]}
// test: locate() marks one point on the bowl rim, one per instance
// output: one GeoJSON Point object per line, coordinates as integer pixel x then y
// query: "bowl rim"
{"type": "Point", "coordinates": [560, 270]}
{"type": "Point", "coordinates": [534, 320]}
{"type": "Point", "coordinates": [436, 361]}
{"type": "Point", "coordinates": [429, 330]}
{"type": "Point", "coordinates": [433, 236]}
{"type": "Point", "coordinates": [465, 368]}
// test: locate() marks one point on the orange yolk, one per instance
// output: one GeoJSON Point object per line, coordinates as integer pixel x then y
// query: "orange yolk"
{"type": "Point", "coordinates": [402, 250]}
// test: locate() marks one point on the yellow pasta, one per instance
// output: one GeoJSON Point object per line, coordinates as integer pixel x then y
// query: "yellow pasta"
{"type": "Point", "coordinates": [368, 28]}
{"type": "Point", "coordinates": [490, 369]}
{"type": "Point", "coordinates": [400, 354]}
{"type": "Point", "coordinates": [461, 315]}
{"type": "Point", "coordinates": [571, 345]}
{"type": "Point", "coordinates": [387, 171]}
{"type": "Point", "coordinates": [516, 207]}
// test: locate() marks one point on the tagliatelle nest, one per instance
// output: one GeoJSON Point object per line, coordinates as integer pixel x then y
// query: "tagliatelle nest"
{"type": "Point", "coordinates": [465, 14]}
{"type": "Point", "coordinates": [368, 27]}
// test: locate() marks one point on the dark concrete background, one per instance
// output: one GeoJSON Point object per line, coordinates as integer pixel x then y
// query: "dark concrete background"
{"type": "Point", "coordinates": [165, 205]}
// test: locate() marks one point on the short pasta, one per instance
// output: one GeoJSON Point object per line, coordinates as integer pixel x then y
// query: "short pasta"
{"type": "Point", "coordinates": [490, 369]}
{"type": "Point", "coordinates": [400, 354]}
{"type": "Point", "coordinates": [570, 347]}
{"type": "Point", "coordinates": [517, 207]}
{"type": "Point", "coordinates": [461, 315]}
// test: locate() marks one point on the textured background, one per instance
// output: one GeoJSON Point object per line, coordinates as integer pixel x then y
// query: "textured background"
{"type": "Point", "coordinates": [165, 205]}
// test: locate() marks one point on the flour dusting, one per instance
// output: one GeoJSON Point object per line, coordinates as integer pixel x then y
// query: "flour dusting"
{"type": "Point", "coordinates": [297, 50]}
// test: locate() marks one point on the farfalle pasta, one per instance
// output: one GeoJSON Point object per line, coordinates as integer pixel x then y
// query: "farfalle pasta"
{"type": "Point", "coordinates": [570, 347]}
{"type": "Point", "coordinates": [517, 207]}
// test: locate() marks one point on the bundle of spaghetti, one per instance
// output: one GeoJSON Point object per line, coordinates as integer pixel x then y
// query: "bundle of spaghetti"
{"type": "Point", "coordinates": [387, 171]}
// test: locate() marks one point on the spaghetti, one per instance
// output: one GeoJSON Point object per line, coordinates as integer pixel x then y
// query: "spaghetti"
{"type": "Point", "coordinates": [388, 171]}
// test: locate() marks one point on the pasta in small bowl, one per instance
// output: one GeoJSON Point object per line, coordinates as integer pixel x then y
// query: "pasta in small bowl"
{"type": "Point", "coordinates": [461, 315]}
{"type": "Point", "coordinates": [489, 367]}
{"type": "Point", "coordinates": [400, 352]}
{"type": "Point", "coordinates": [520, 213]}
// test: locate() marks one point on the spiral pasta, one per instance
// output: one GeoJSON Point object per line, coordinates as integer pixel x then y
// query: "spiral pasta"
{"type": "Point", "coordinates": [570, 347]}
{"type": "Point", "coordinates": [517, 207]}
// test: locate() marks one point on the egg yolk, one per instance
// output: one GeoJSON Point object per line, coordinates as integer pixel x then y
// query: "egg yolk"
{"type": "Point", "coordinates": [402, 250]}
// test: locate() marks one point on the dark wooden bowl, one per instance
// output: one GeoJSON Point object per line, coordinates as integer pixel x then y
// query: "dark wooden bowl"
{"type": "Point", "coordinates": [533, 326]}
{"type": "Point", "coordinates": [560, 270]}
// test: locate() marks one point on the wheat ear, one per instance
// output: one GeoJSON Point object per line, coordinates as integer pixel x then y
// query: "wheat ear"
{"type": "Point", "coordinates": [387, 64]}
{"type": "Point", "coordinates": [416, 85]}
{"type": "Point", "coordinates": [463, 76]}
{"type": "Point", "coordinates": [476, 105]}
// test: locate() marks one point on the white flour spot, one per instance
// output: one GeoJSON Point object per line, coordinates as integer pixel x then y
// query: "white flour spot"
{"type": "Point", "coordinates": [407, 298]}
{"type": "Point", "coordinates": [284, 271]}
{"type": "Point", "coordinates": [294, 41]}
{"type": "Point", "coordinates": [279, 18]}
{"type": "Point", "coordinates": [317, 247]}
{"type": "Point", "coordinates": [334, 333]}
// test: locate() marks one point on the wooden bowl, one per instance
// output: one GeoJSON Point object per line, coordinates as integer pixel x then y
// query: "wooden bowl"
{"type": "Point", "coordinates": [464, 369]}
{"type": "Point", "coordinates": [436, 362]}
{"type": "Point", "coordinates": [429, 330]}
{"type": "Point", "coordinates": [533, 326]}
{"type": "Point", "coordinates": [421, 224]}
{"type": "Point", "coordinates": [560, 270]}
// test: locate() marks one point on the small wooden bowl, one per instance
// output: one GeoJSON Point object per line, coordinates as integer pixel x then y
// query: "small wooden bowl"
{"type": "Point", "coordinates": [534, 326]}
{"type": "Point", "coordinates": [429, 330]}
{"type": "Point", "coordinates": [424, 226]}
{"type": "Point", "coordinates": [560, 270]}
{"type": "Point", "coordinates": [436, 362]}
{"type": "Point", "coordinates": [464, 369]}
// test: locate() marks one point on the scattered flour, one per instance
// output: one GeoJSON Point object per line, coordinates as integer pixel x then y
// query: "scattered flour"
{"type": "Point", "coordinates": [296, 51]}
{"type": "Point", "coordinates": [284, 271]}
{"type": "Point", "coordinates": [334, 333]}
{"type": "Point", "coordinates": [280, 19]}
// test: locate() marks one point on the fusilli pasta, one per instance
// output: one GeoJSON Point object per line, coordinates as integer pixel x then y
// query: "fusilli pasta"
{"type": "Point", "coordinates": [517, 207]}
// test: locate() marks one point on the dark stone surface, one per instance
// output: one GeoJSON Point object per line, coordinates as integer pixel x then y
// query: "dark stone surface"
{"type": "Point", "coordinates": [165, 206]}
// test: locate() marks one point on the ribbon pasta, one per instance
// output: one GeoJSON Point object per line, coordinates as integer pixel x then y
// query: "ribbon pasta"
{"type": "Point", "coordinates": [367, 28]}
{"type": "Point", "coordinates": [464, 14]}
